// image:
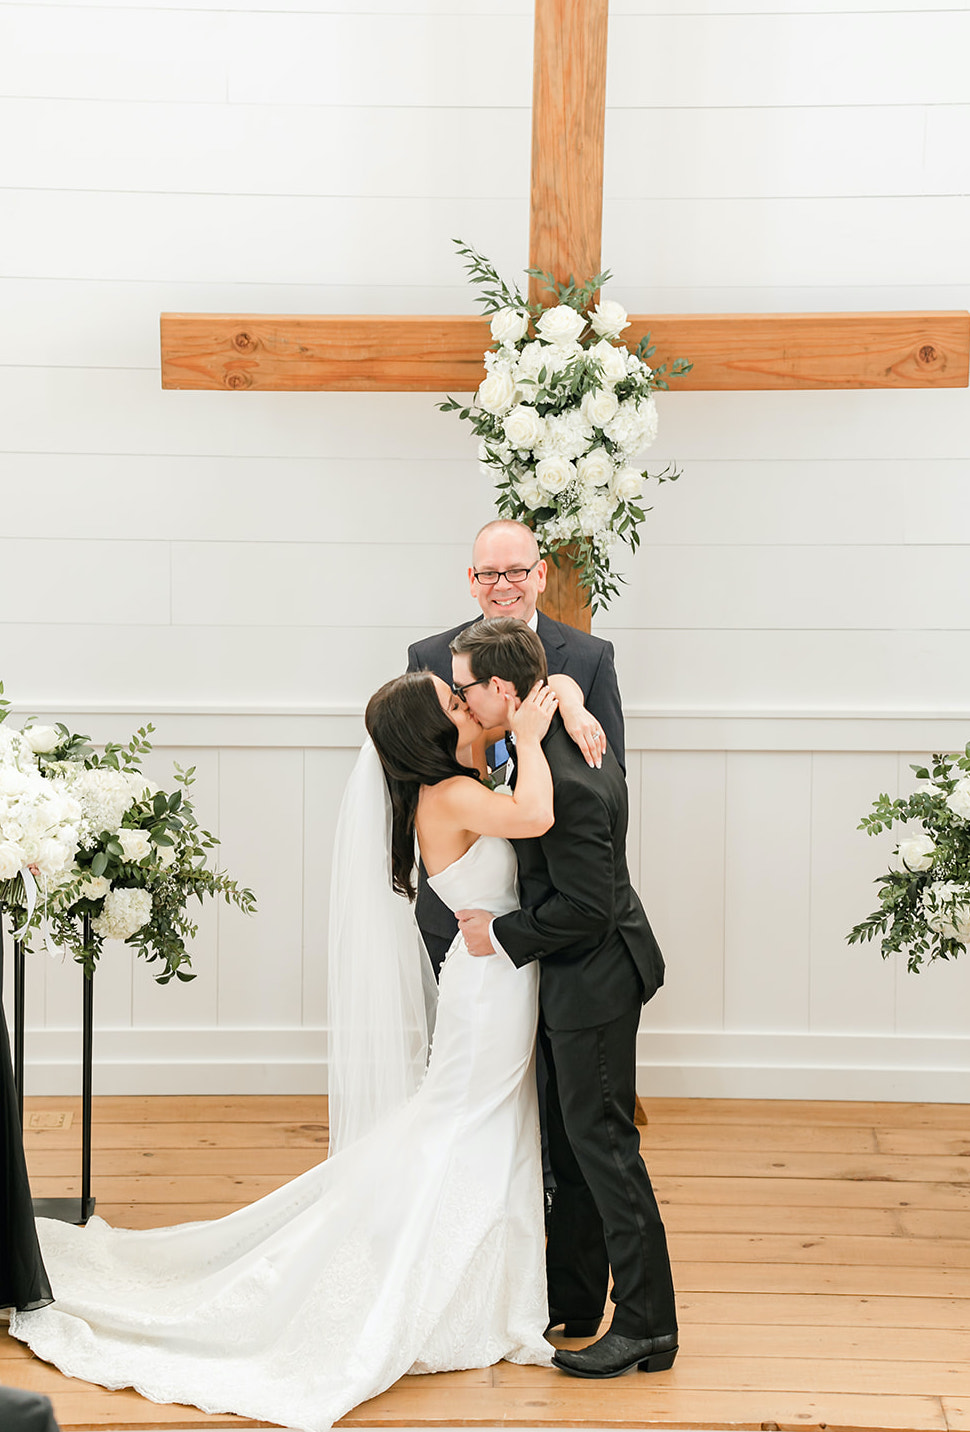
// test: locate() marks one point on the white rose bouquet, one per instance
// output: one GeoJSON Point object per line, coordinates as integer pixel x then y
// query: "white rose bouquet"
{"type": "Point", "coordinates": [563, 415]}
{"type": "Point", "coordinates": [925, 896]}
{"type": "Point", "coordinates": [94, 837]}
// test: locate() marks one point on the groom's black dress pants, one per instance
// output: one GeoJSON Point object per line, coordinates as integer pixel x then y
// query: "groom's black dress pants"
{"type": "Point", "coordinates": [605, 1215]}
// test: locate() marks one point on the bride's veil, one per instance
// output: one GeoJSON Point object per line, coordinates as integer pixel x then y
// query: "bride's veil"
{"type": "Point", "coordinates": [381, 987]}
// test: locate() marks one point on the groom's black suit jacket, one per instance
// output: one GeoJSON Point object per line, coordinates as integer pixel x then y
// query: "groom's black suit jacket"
{"type": "Point", "coordinates": [588, 660]}
{"type": "Point", "coordinates": [580, 916]}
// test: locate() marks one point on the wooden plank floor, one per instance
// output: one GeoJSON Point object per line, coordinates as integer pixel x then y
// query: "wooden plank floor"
{"type": "Point", "coordinates": [821, 1255]}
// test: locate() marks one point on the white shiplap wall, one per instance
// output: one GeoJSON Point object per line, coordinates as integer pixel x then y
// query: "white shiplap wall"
{"type": "Point", "coordinates": [246, 568]}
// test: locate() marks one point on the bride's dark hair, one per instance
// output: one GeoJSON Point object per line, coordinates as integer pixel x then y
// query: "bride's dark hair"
{"type": "Point", "coordinates": [416, 743]}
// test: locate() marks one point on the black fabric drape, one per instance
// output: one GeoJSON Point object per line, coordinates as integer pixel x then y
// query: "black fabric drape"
{"type": "Point", "coordinates": [23, 1277]}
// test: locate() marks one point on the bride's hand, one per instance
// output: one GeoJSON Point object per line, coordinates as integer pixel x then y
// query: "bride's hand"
{"type": "Point", "coordinates": [580, 724]}
{"type": "Point", "coordinates": [531, 720]}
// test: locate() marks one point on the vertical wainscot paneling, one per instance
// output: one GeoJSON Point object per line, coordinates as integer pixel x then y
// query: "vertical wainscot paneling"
{"type": "Point", "coordinates": [326, 774]}
{"type": "Point", "coordinates": [261, 825]}
{"type": "Point", "coordinates": [766, 895]}
{"type": "Point", "coordinates": [851, 990]}
{"type": "Point", "coordinates": [681, 882]}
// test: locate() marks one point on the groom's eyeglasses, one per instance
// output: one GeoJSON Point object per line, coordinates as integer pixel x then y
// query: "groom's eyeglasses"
{"type": "Point", "coordinates": [513, 574]}
{"type": "Point", "coordinates": [460, 690]}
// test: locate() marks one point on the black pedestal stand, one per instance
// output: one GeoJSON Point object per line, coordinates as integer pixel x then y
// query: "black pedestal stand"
{"type": "Point", "coordinates": [68, 1210]}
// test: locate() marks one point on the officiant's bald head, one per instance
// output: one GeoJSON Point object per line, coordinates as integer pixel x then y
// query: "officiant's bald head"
{"type": "Point", "coordinates": [510, 550]}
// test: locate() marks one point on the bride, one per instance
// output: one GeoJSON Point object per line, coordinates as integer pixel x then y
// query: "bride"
{"type": "Point", "coordinates": [418, 1246]}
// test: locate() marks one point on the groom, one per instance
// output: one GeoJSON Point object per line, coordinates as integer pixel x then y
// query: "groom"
{"type": "Point", "coordinates": [599, 962]}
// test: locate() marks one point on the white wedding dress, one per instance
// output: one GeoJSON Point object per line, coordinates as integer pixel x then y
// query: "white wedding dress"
{"type": "Point", "coordinates": [419, 1248]}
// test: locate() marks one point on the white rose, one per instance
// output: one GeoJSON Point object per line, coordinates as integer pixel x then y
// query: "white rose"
{"type": "Point", "coordinates": [626, 484]}
{"type": "Point", "coordinates": [13, 782]}
{"type": "Point", "coordinates": [612, 360]}
{"type": "Point", "coordinates": [596, 468]}
{"type": "Point", "coordinates": [523, 427]}
{"type": "Point", "coordinates": [609, 319]}
{"type": "Point", "coordinates": [94, 887]}
{"type": "Point", "coordinates": [497, 393]}
{"type": "Point", "coordinates": [959, 798]}
{"type": "Point", "coordinates": [42, 739]}
{"type": "Point", "coordinates": [52, 856]}
{"type": "Point", "coordinates": [947, 907]}
{"type": "Point", "coordinates": [135, 844]}
{"type": "Point", "coordinates": [140, 786]}
{"type": "Point", "coordinates": [599, 406]}
{"type": "Point", "coordinates": [914, 852]}
{"type": "Point", "coordinates": [555, 473]}
{"type": "Point", "coordinates": [11, 859]}
{"type": "Point", "coordinates": [166, 855]}
{"type": "Point", "coordinates": [508, 325]}
{"type": "Point", "coordinates": [561, 324]}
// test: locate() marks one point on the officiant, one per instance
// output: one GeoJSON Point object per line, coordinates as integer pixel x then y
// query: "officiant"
{"type": "Point", "coordinates": [506, 577]}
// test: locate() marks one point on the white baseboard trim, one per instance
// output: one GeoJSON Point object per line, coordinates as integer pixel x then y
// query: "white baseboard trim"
{"type": "Point", "coordinates": [670, 1063]}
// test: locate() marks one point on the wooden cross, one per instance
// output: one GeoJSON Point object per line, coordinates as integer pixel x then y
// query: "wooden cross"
{"type": "Point", "coordinates": [286, 352]}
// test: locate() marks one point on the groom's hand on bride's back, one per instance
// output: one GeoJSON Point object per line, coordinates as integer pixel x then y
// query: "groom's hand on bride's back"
{"type": "Point", "coordinates": [475, 927]}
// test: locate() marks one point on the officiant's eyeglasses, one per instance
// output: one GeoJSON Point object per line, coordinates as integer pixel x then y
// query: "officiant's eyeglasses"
{"type": "Point", "coordinates": [513, 574]}
{"type": "Point", "coordinates": [460, 690]}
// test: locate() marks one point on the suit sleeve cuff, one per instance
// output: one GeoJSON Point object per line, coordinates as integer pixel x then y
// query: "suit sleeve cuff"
{"type": "Point", "coordinates": [497, 945]}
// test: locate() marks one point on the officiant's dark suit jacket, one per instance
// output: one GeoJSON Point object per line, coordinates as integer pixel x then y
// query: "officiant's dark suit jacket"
{"type": "Point", "coordinates": [580, 916]}
{"type": "Point", "coordinates": [589, 661]}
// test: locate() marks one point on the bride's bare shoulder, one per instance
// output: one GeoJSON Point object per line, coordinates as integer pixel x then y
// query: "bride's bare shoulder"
{"type": "Point", "coordinates": [444, 794]}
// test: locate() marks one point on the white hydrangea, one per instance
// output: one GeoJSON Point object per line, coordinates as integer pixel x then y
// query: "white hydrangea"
{"type": "Point", "coordinates": [124, 912]}
{"type": "Point", "coordinates": [553, 357]}
{"type": "Point", "coordinates": [105, 795]}
{"type": "Point", "coordinates": [635, 425]}
{"type": "Point", "coordinates": [565, 435]}
{"type": "Point", "coordinates": [595, 514]}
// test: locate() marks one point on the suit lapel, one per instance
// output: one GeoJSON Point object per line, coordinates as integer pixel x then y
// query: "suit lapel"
{"type": "Point", "coordinates": [550, 633]}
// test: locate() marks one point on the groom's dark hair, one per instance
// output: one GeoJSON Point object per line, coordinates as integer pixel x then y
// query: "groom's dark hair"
{"type": "Point", "coordinates": [503, 647]}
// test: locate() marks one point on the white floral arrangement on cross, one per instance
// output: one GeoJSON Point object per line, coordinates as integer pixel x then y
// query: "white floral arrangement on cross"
{"type": "Point", "coordinates": [88, 834]}
{"type": "Point", "coordinates": [925, 897]}
{"type": "Point", "coordinates": [563, 415]}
